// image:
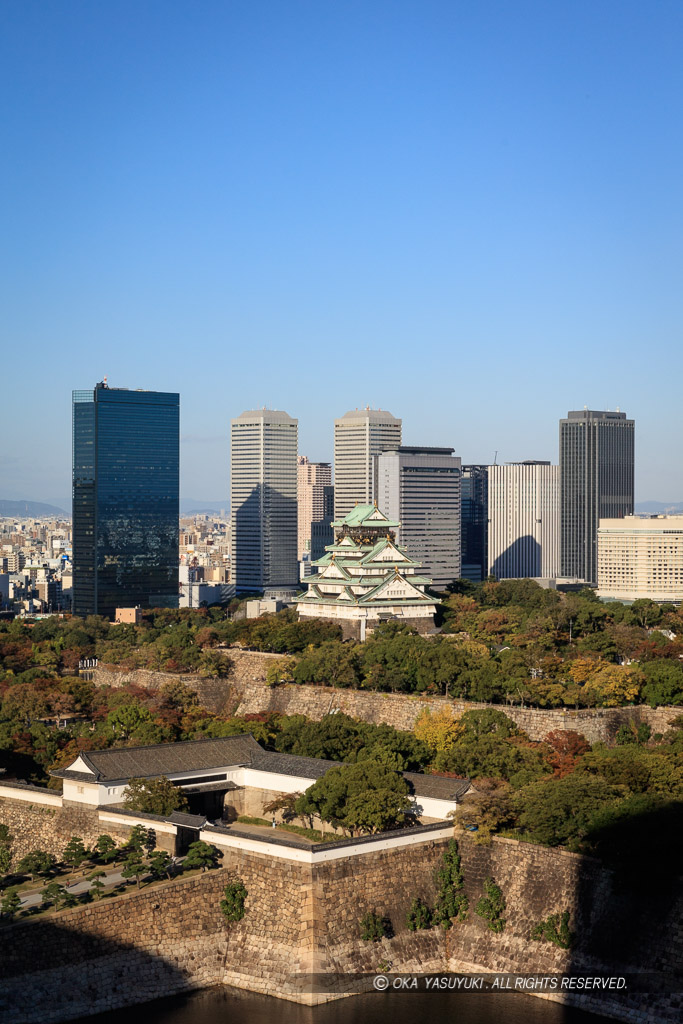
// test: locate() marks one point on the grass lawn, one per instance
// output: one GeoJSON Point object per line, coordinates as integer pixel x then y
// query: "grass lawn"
{"type": "Point", "coordinates": [314, 834]}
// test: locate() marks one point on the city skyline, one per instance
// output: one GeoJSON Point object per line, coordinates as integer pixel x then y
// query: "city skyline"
{"type": "Point", "coordinates": [479, 206]}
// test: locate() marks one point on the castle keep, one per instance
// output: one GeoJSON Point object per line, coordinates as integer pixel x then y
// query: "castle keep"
{"type": "Point", "coordinates": [365, 578]}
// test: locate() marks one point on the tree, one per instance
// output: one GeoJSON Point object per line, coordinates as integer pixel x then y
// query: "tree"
{"type": "Point", "coordinates": [75, 853]}
{"type": "Point", "coordinates": [105, 849]}
{"type": "Point", "coordinates": [6, 840]}
{"type": "Point", "coordinates": [202, 855]}
{"type": "Point", "coordinates": [10, 904]}
{"type": "Point", "coordinates": [438, 729]}
{"type": "Point", "coordinates": [96, 883]}
{"type": "Point", "coordinates": [566, 748]}
{"type": "Point", "coordinates": [134, 867]}
{"type": "Point", "coordinates": [284, 803]}
{"type": "Point", "coordinates": [374, 928]}
{"type": "Point", "coordinates": [555, 929]}
{"type": "Point", "coordinates": [54, 893]}
{"type": "Point", "coordinates": [486, 809]}
{"type": "Point", "coordinates": [161, 864]}
{"type": "Point", "coordinates": [363, 797]}
{"type": "Point", "coordinates": [154, 796]}
{"type": "Point", "coordinates": [280, 671]}
{"type": "Point", "coordinates": [558, 812]}
{"type": "Point", "coordinates": [38, 862]}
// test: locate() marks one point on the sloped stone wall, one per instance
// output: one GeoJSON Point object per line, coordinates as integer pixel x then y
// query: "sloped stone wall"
{"type": "Point", "coordinates": [246, 692]}
{"type": "Point", "coordinates": [304, 919]}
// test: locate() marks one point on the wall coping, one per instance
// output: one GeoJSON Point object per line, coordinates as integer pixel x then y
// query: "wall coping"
{"type": "Point", "coordinates": [30, 794]}
{"type": "Point", "coordinates": [294, 849]}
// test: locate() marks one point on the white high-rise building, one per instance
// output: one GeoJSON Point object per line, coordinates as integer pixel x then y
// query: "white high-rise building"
{"type": "Point", "coordinates": [524, 520]}
{"type": "Point", "coordinates": [314, 477]}
{"type": "Point", "coordinates": [263, 500]}
{"type": "Point", "coordinates": [358, 436]}
{"type": "Point", "coordinates": [640, 558]}
{"type": "Point", "coordinates": [420, 488]}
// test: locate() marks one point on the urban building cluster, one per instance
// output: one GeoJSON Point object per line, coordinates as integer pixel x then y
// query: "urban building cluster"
{"type": "Point", "coordinates": [288, 524]}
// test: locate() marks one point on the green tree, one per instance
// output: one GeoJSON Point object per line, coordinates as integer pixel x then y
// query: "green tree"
{"type": "Point", "coordinates": [202, 855]}
{"type": "Point", "coordinates": [75, 853]}
{"type": "Point", "coordinates": [161, 864]}
{"type": "Point", "coordinates": [558, 812]}
{"type": "Point", "coordinates": [363, 797]}
{"type": "Point", "coordinates": [10, 904]}
{"type": "Point", "coordinates": [38, 862]}
{"type": "Point", "coordinates": [55, 894]}
{"type": "Point", "coordinates": [105, 849]}
{"type": "Point", "coordinates": [491, 906]}
{"type": "Point", "coordinates": [6, 840]}
{"type": "Point", "coordinates": [134, 867]}
{"type": "Point", "coordinates": [96, 882]}
{"type": "Point", "coordinates": [154, 796]}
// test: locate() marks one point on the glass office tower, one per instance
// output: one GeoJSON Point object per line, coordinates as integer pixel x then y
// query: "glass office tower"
{"type": "Point", "coordinates": [475, 523]}
{"type": "Point", "coordinates": [125, 499]}
{"type": "Point", "coordinates": [596, 482]}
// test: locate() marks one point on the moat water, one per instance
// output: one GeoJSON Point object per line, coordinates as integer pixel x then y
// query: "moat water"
{"type": "Point", "coordinates": [231, 1006]}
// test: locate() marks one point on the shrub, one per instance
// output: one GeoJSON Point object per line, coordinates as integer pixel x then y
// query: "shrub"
{"type": "Point", "coordinates": [232, 904]}
{"type": "Point", "coordinates": [555, 929]}
{"type": "Point", "coordinates": [419, 915]}
{"type": "Point", "coordinates": [451, 902]}
{"type": "Point", "coordinates": [491, 906]}
{"type": "Point", "coordinates": [374, 928]}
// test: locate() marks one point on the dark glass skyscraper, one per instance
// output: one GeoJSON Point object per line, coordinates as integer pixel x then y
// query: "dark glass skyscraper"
{"type": "Point", "coordinates": [475, 523]}
{"type": "Point", "coordinates": [125, 499]}
{"type": "Point", "coordinates": [596, 482]}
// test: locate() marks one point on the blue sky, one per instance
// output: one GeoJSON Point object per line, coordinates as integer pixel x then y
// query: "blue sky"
{"type": "Point", "coordinates": [470, 214]}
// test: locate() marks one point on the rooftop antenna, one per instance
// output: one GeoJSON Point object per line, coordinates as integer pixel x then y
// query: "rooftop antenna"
{"type": "Point", "coordinates": [495, 457]}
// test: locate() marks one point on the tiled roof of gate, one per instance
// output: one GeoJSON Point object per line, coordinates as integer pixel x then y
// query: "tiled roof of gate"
{"type": "Point", "coordinates": [193, 755]}
{"type": "Point", "coordinates": [164, 759]}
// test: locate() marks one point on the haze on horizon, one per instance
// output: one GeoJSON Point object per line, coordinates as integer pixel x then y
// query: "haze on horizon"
{"type": "Point", "coordinates": [470, 215]}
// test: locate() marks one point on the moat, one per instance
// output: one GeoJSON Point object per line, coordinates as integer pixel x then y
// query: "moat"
{"type": "Point", "coordinates": [230, 1006]}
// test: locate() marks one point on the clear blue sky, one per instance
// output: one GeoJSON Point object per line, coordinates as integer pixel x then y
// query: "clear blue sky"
{"type": "Point", "coordinates": [468, 213]}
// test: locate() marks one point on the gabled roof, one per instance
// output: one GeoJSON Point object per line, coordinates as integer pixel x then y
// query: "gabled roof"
{"type": "Point", "coordinates": [397, 554]}
{"type": "Point", "coordinates": [379, 592]}
{"type": "Point", "coordinates": [366, 515]}
{"type": "Point", "coordinates": [163, 759]}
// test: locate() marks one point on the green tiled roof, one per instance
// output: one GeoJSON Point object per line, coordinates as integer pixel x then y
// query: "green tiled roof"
{"type": "Point", "coordinates": [360, 516]}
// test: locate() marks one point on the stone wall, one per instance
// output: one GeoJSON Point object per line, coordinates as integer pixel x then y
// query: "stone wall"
{"type": "Point", "coordinates": [303, 919]}
{"type": "Point", "coordinates": [246, 693]}
{"type": "Point", "coordinates": [37, 826]}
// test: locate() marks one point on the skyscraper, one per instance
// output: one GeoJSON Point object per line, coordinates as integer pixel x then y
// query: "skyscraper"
{"type": "Point", "coordinates": [524, 520]}
{"type": "Point", "coordinates": [313, 478]}
{"type": "Point", "coordinates": [125, 499]}
{"type": "Point", "coordinates": [359, 436]}
{"type": "Point", "coordinates": [596, 482]}
{"type": "Point", "coordinates": [263, 505]}
{"type": "Point", "coordinates": [420, 488]}
{"type": "Point", "coordinates": [474, 522]}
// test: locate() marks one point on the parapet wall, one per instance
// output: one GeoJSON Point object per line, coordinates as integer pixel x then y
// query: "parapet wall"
{"type": "Point", "coordinates": [246, 692]}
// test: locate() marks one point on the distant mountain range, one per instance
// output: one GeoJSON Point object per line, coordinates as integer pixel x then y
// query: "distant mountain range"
{"type": "Point", "coordinates": [659, 508]}
{"type": "Point", "coordinates": [29, 509]}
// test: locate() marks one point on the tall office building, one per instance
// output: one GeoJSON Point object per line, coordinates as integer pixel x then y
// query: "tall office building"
{"type": "Point", "coordinates": [313, 478]}
{"type": "Point", "coordinates": [359, 436]}
{"type": "Point", "coordinates": [474, 523]}
{"type": "Point", "coordinates": [524, 520]}
{"type": "Point", "coordinates": [125, 499]}
{"type": "Point", "coordinates": [420, 489]}
{"type": "Point", "coordinates": [263, 505]}
{"type": "Point", "coordinates": [596, 482]}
